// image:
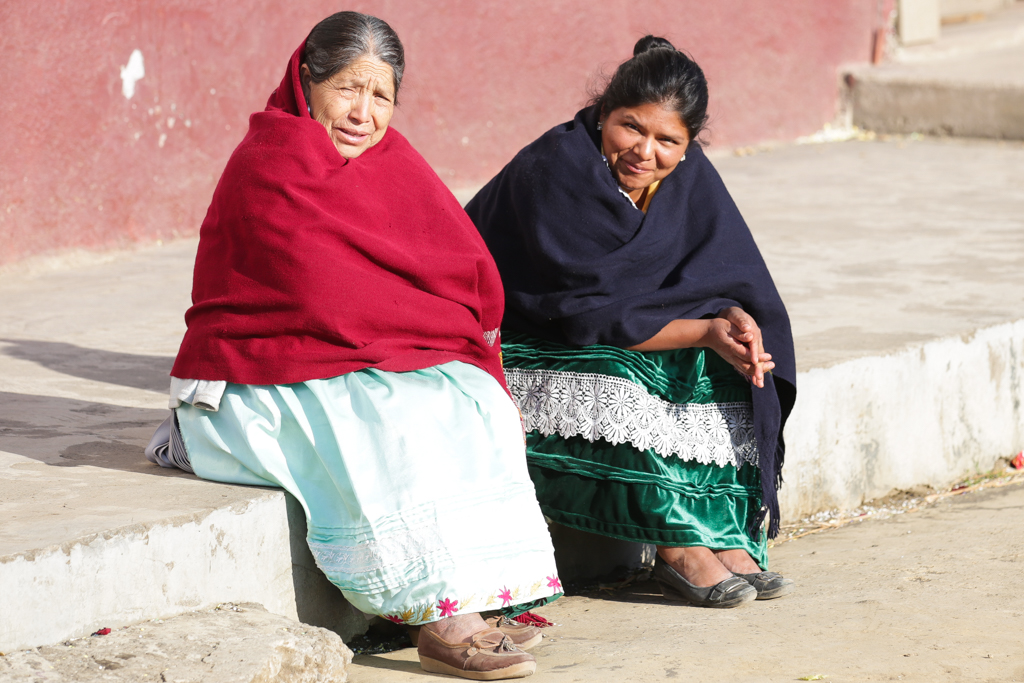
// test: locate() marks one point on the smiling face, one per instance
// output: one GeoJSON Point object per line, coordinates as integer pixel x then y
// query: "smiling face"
{"type": "Point", "coordinates": [643, 144]}
{"type": "Point", "coordinates": [355, 105]}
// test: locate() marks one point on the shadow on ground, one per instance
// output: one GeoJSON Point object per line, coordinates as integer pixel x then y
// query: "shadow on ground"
{"type": "Point", "coordinates": [411, 667]}
{"type": "Point", "coordinates": [137, 371]}
{"type": "Point", "coordinates": [67, 432]}
{"type": "Point", "coordinates": [639, 592]}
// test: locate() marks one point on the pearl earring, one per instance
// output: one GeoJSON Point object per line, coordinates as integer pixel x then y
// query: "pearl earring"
{"type": "Point", "coordinates": [599, 125]}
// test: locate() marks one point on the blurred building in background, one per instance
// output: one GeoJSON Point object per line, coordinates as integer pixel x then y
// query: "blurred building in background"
{"type": "Point", "coordinates": [119, 117]}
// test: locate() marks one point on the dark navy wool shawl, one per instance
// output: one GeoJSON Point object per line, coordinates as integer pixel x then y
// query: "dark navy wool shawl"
{"type": "Point", "coordinates": [581, 265]}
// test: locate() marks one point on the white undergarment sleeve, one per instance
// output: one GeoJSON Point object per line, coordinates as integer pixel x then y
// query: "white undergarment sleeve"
{"type": "Point", "coordinates": [201, 393]}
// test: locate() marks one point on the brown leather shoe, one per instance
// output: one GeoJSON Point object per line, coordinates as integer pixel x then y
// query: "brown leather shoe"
{"type": "Point", "coordinates": [491, 656]}
{"type": "Point", "coordinates": [522, 636]}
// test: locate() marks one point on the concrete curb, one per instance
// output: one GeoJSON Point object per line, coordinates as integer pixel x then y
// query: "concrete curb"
{"type": "Point", "coordinates": [906, 105]}
{"type": "Point", "coordinates": [926, 415]}
{"type": "Point", "coordinates": [253, 552]}
{"type": "Point", "coordinates": [969, 83]}
{"type": "Point", "coordinates": [854, 436]}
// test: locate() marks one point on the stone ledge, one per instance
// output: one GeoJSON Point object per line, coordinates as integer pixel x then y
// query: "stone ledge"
{"type": "Point", "coordinates": [928, 414]}
{"type": "Point", "coordinates": [970, 83]}
{"type": "Point", "coordinates": [937, 108]}
{"type": "Point", "coordinates": [246, 552]}
{"type": "Point", "coordinates": [229, 644]}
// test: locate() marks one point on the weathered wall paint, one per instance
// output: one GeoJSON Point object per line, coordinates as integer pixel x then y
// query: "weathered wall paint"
{"type": "Point", "coordinates": [87, 165]}
{"type": "Point", "coordinates": [131, 73]}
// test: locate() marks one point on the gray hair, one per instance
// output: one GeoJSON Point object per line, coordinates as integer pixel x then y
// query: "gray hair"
{"type": "Point", "coordinates": [342, 38]}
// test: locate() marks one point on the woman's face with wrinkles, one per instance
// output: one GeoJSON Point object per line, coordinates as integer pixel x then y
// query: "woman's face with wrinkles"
{"type": "Point", "coordinates": [355, 105]}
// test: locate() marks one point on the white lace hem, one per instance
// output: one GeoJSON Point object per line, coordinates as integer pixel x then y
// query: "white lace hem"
{"type": "Point", "coordinates": [619, 411]}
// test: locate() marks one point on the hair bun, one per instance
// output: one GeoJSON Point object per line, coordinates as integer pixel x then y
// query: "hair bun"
{"type": "Point", "coordinates": [650, 42]}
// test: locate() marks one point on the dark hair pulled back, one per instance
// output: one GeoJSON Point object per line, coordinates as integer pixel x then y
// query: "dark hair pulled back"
{"type": "Point", "coordinates": [342, 38]}
{"type": "Point", "coordinates": [659, 73]}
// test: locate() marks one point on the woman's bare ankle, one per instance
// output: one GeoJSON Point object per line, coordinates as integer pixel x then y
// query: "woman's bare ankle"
{"type": "Point", "coordinates": [738, 561]}
{"type": "Point", "coordinates": [459, 628]}
{"type": "Point", "coordinates": [696, 564]}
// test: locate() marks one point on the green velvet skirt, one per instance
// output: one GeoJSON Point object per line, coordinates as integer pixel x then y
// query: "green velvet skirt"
{"type": "Point", "coordinates": [655, 447]}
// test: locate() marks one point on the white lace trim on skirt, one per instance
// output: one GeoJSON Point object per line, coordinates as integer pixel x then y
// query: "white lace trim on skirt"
{"type": "Point", "coordinates": [598, 406]}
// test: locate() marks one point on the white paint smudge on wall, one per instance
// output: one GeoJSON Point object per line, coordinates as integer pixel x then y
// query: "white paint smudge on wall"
{"type": "Point", "coordinates": [131, 73]}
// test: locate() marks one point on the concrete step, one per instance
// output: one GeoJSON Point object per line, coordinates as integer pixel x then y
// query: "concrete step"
{"type": "Point", "coordinates": [901, 262]}
{"type": "Point", "coordinates": [92, 537]}
{"type": "Point", "coordinates": [968, 84]}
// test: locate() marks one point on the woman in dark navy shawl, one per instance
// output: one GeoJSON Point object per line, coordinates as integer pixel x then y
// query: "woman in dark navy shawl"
{"type": "Point", "coordinates": [644, 340]}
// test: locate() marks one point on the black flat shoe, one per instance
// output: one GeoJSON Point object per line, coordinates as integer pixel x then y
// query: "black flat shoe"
{"type": "Point", "coordinates": [732, 592]}
{"type": "Point", "coordinates": [769, 585]}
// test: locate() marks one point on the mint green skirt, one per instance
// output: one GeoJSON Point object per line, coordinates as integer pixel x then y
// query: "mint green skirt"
{"type": "Point", "coordinates": [415, 487]}
{"type": "Point", "coordinates": [655, 447]}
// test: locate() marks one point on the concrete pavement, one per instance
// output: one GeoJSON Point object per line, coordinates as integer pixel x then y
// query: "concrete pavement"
{"type": "Point", "coordinates": [922, 597]}
{"type": "Point", "coordinates": [901, 263]}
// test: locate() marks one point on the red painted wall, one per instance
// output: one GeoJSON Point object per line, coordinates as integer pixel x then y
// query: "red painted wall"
{"type": "Point", "coordinates": [82, 166]}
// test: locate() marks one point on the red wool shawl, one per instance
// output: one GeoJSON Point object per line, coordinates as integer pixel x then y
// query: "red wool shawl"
{"type": "Point", "coordinates": [311, 266]}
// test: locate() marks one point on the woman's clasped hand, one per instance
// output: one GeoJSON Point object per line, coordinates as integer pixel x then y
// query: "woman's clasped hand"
{"type": "Point", "coordinates": [735, 336]}
{"type": "Point", "coordinates": [732, 334]}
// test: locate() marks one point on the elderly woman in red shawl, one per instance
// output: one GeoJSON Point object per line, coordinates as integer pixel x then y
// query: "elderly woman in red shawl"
{"type": "Point", "coordinates": [343, 344]}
